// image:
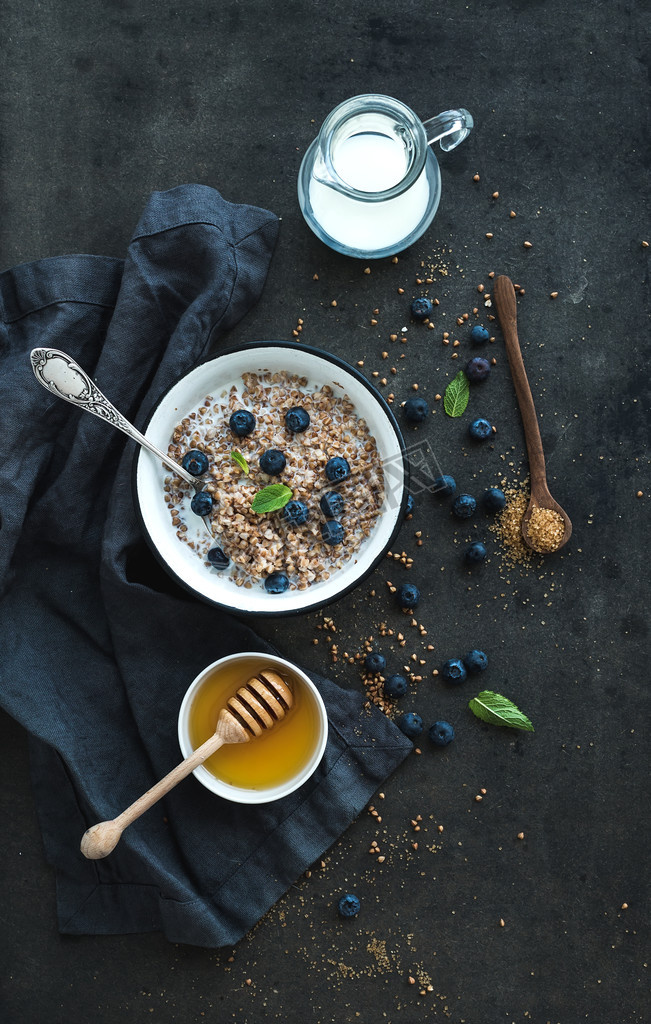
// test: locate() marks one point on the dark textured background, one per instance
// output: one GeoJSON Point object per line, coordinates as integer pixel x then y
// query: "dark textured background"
{"type": "Point", "coordinates": [104, 102]}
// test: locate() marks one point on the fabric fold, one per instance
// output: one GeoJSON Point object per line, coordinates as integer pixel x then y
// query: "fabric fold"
{"type": "Point", "coordinates": [99, 645]}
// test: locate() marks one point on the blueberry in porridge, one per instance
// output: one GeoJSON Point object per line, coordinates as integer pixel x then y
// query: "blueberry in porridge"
{"type": "Point", "coordinates": [291, 478]}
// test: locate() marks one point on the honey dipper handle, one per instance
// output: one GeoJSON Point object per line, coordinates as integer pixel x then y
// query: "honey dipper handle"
{"type": "Point", "coordinates": [101, 839]}
{"type": "Point", "coordinates": [504, 296]}
{"type": "Point", "coordinates": [182, 770]}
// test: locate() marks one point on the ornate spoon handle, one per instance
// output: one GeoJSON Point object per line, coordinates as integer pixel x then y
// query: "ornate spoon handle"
{"type": "Point", "coordinates": [60, 374]}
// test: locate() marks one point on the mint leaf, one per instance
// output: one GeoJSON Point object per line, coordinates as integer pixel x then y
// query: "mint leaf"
{"type": "Point", "coordinates": [241, 461]}
{"type": "Point", "coordinates": [492, 707]}
{"type": "Point", "coordinates": [456, 395]}
{"type": "Point", "coordinates": [271, 498]}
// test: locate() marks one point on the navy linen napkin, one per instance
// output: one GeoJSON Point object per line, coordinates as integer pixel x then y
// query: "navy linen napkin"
{"type": "Point", "coordinates": [98, 646]}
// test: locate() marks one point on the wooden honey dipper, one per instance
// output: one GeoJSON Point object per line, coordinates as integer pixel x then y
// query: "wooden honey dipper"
{"type": "Point", "coordinates": [257, 706]}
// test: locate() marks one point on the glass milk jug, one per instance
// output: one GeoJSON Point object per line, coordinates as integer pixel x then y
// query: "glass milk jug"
{"type": "Point", "coordinates": [369, 184]}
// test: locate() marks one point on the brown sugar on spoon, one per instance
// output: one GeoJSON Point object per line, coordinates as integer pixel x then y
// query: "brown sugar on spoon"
{"type": "Point", "coordinates": [545, 530]}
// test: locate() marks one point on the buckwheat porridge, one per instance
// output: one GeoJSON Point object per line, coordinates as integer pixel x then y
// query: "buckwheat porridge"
{"type": "Point", "coordinates": [301, 449]}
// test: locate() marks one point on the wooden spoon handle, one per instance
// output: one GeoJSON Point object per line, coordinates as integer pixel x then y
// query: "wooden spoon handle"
{"type": "Point", "coordinates": [504, 296]}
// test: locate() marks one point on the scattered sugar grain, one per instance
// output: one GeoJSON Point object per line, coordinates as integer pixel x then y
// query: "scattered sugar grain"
{"type": "Point", "coordinates": [508, 526]}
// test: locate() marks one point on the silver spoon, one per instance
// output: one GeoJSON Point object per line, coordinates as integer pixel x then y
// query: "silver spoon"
{"type": "Point", "coordinates": [60, 374]}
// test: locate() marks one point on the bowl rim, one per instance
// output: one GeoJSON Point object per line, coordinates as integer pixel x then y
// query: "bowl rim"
{"type": "Point", "coordinates": [239, 794]}
{"type": "Point", "coordinates": [318, 604]}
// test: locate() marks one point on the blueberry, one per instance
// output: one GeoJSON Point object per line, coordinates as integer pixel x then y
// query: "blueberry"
{"type": "Point", "coordinates": [201, 503]}
{"type": "Point", "coordinates": [296, 513]}
{"type": "Point", "coordinates": [409, 507]}
{"type": "Point", "coordinates": [480, 429]}
{"type": "Point", "coordinates": [242, 423]}
{"type": "Point", "coordinates": [337, 469]}
{"type": "Point", "coordinates": [395, 686]}
{"type": "Point", "coordinates": [476, 661]}
{"type": "Point", "coordinates": [332, 532]}
{"type": "Point", "coordinates": [332, 504]}
{"type": "Point", "coordinates": [421, 309]}
{"type": "Point", "coordinates": [494, 499]}
{"type": "Point", "coordinates": [277, 583]}
{"type": "Point", "coordinates": [195, 462]}
{"type": "Point", "coordinates": [272, 462]}
{"type": "Point", "coordinates": [479, 335]}
{"type": "Point", "coordinates": [407, 595]}
{"type": "Point", "coordinates": [349, 905]}
{"type": "Point", "coordinates": [297, 420]}
{"type": "Point", "coordinates": [375, 662]}
{"type": "Point", "coordinates": [411, 724]}
{"type": "Point", "coordinates": [454, 671]}
{"type": "Point", "coordinates": [475, 552]}
{"type": "Point", "coordinates": [441, 733]}
{"type": "Point", "coordinates": [477, 369]}
{"type": "Point", "coordinates": [464, 506]}
{"type": "Point", "coordinates": [444, 486]}
{"type": "Point", "coordinates": [218, 558]}
{"type": "Point", "coordinates": [416, 410]}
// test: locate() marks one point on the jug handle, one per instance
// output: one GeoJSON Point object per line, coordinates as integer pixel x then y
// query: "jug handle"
{"type": "Point", "coordinates": [450, 128]}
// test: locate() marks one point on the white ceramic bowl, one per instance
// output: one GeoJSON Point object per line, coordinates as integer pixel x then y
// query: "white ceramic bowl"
{"type": "Point", "coordinates": [295, 677]}
{"type": "Point", "coordinates": [212, 378]}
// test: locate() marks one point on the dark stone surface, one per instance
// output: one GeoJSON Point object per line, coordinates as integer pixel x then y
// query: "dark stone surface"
{"type": "Point", "coordinates": [103, 102]}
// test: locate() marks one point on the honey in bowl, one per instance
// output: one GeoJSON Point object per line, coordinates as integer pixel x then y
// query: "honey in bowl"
{"type": "Point", "coordinates": [279, 753]}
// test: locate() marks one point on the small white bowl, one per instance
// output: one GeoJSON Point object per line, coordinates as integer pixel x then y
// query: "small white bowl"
{"type": "Point", "coordinates": [297, 678]}
{"type": "Point", "coordinates": [217, 376]}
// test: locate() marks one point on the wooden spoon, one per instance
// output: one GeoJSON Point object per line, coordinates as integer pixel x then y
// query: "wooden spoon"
{"type": "Point", "coordinates": [255, 707]}
{"type": "Point", "coordinates": [504, 297]}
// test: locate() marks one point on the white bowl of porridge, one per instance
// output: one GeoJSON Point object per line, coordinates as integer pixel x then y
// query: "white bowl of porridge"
{"type": "Point", "coordinates": [301, 479]}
